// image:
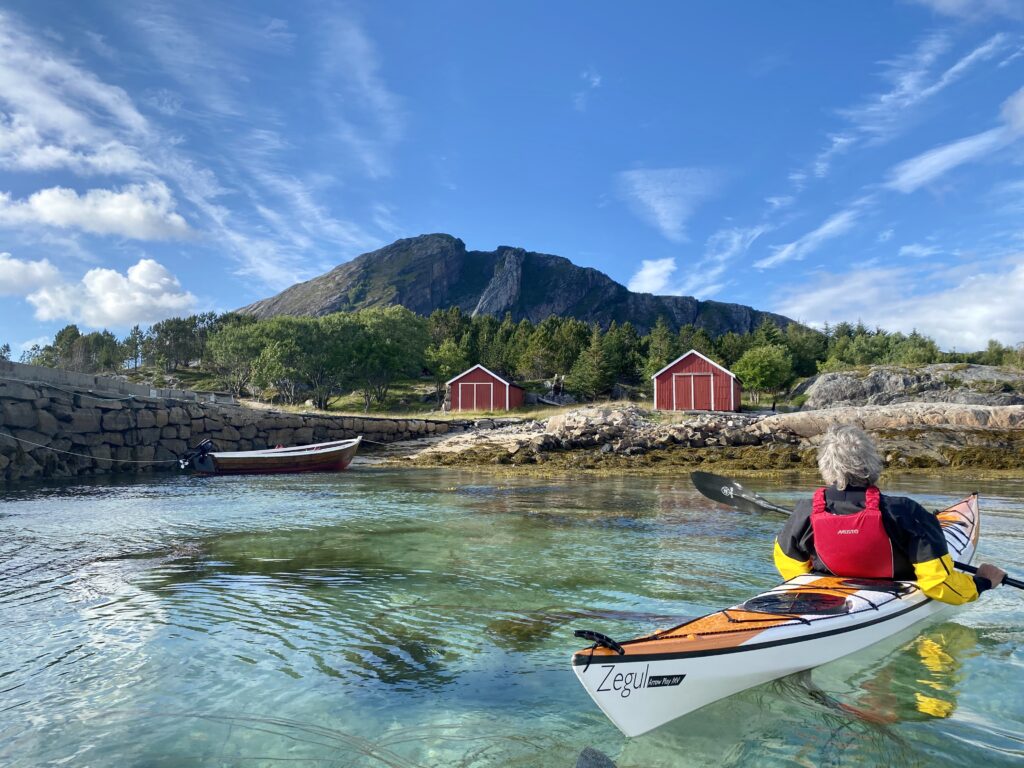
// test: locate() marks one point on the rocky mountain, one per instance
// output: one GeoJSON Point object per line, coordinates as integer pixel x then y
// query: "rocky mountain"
{"type": "Point", "coordinates": [436, 271]}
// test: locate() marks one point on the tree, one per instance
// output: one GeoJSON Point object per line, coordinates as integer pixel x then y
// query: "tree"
{"type": "Point", "coordinates": [444, 362]}
{"type": "Point", "coordinates": [807, 348]}
{"type": "Point", "coordinates": [622, 352]}
{"type": "Point", "coordinates": [731, 347]}
{"type": "Point", "coordinates": [691, 337]}
{"type": "Point", "coordinates": [662, 348]}
{"type": "Point", "coordinates": [538, 358]}
{"type": "Point", "coordinates": [5, 351]}
{"type": "Point", "coordinates": [571, 339]}
{"type": "Point", "coordinates": [768, 334]}
{"type": "Point", "coordinates": [172, 343]}
{"type": "Point", "coordinates": [590, 375]}
{"type": "Point", "coordinates": [764, 369]}
{"type": "Point", "coordinates": [391, 344]}
{"type": "Point", "coordinates": [132, 346]}
{"type": "Point", "coordinates": [234, 350]}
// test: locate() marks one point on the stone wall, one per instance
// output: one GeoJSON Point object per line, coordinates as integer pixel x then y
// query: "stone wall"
{"type": "Point", "coordinates": [51, 431]}
{"type": "Point", "coordinates": [92, 384]}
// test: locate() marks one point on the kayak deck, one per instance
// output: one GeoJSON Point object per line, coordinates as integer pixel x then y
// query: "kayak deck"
{"type": "Point", "coordinates": [773, 634]}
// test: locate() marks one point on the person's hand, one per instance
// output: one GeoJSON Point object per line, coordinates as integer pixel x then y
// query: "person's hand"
{"type": "Point", "coordinates": [993, 573]}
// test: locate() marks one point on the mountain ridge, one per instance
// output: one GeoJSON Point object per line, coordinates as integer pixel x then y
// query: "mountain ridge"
{"type": "Point", "coordinates": [436, 271]}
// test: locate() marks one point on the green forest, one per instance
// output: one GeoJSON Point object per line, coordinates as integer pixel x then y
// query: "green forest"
{"type": "Point", "coordinates": [291, 360]}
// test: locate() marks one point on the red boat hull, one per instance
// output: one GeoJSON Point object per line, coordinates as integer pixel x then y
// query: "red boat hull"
{"type": "Point", "coordinates": [327, 457]}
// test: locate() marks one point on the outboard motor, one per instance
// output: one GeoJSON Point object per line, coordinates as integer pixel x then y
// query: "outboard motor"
{"type": "Point", "coordinates": [197, 454]}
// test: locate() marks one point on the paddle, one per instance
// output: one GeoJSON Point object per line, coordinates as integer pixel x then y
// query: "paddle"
{"type": "Point", "coordinates": [727, 491]}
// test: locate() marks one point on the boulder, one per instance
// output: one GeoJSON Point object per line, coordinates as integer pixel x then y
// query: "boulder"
{"type": "Point", "coordinates": [22, 415]}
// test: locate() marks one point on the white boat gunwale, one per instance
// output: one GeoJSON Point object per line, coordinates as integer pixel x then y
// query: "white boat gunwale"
{"type": "Point", "coordinates": [290, 452]}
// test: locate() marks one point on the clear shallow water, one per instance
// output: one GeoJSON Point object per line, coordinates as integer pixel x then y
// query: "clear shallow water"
{"type": "Point", "coordinates": [424, 618]}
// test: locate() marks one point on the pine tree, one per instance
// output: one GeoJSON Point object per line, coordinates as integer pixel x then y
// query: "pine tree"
{"type": "Point", "coordinates": [589, 376]}
{"type": "Point", "coordinates": [662, 348]}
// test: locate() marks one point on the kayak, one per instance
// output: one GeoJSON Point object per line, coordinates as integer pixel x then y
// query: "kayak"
{"type": "Point", "coordinates": [803, 623]}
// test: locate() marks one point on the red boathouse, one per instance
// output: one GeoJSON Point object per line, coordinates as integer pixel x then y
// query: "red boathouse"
{"type": "Point", "coordinates": [693, 382]}
{"type": "Point", "coordinates": [479, 389]}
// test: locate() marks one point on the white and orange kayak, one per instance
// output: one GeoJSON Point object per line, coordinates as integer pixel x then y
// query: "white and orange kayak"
{"type": "Point", "coordinates": [802, 623]}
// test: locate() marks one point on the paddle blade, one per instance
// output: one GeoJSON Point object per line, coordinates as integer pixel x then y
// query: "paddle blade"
{"type": "Point", "coordinates": [727, 491]}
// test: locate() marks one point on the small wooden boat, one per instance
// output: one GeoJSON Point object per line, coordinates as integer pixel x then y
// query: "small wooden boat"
{"type": "Point", "coordinates": [319, 457]}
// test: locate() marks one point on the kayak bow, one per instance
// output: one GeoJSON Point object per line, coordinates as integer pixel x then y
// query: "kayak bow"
{"type": "Point", "coordinates": [802, 623]}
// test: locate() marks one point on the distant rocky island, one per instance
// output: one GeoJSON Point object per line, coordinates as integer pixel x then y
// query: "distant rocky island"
{"type": "Point", "coordinates": [437, 272]}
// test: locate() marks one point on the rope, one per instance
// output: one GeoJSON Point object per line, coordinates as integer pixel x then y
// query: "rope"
{"type": "Point", "coordinates": [86, 455]}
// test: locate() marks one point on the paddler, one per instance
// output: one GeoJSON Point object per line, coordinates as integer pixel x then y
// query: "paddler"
{"type": "Point", "coordinates": [850, 529]}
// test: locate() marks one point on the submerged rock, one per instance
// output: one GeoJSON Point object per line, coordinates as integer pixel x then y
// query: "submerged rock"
{"type": "Point", "coordinates": [592, 758]}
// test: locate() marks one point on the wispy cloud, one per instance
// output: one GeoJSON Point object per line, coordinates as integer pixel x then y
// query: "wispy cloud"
{"type": "Point", "coordinates": [967, 9]}
{"type": "Point", "coordinates": [886, 235]}
{"type": "Point", "coordinates": [55, 115]}
{"type": "Point", "coordinates": [707, 276]}
{"type": "Point", "coordinates": [839, 143]}
{"type": "Point", "coordinates": [591, 82]}
{"type": "Point", "coordinates": [962, 313]}
{"type": "Point", "coordinates": [912, 174]}
{"type": "Point", "coordinates": [777, 202]}
{"type": "Point", "coordinates": [367, 115]}
{"type": "Point", "coordinates": [667, 197]}
{"type": "Point", "coordinates": [919, 251]}
{"type": "Point", "coordinates": [913, 82]}
{"type": "Point", "coordinates": [834, 226]}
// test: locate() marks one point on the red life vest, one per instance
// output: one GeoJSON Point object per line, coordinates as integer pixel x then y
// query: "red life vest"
{"type": "Point", "coordinates": [852, 545]}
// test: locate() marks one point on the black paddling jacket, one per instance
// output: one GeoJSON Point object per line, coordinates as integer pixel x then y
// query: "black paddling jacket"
{"type": "Point", "coordinates": [919, 548]}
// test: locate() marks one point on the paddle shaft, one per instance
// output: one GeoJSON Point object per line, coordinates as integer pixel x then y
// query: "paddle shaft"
{"type": "Point", "coordinates": [1006, 580]}
{"type": "Point", "coordinates": [727, 491]}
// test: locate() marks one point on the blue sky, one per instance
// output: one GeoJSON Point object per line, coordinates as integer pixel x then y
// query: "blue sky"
{"type": "Point", "coordinates": [828, 161]}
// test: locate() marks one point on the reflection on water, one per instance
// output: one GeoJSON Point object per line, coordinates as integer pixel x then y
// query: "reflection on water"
{"type": "Point", "coordinates": [424, 618]}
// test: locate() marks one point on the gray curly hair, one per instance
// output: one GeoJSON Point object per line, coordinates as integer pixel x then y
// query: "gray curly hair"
{"type": "Point", "coordinates": [847, 456]}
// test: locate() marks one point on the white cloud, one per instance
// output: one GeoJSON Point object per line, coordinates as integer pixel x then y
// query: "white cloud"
{"type": "Point", "coordinates": [912, 174]}
{"type": "Point", "coordinates": [367, 115]}
{"type": "Point", "coordinates": [143, 212]}
{"type": "Point", "coordinates": [705, 278]}
{"type": "Point", "coordinates": [840, 143]}
{"type": "Point", "coordinates": [919, 251]}
{"type": "Point", "coordinates": [591, 81]}
{"type": "Point", "coordinates": [38, 341]}
{"type": "Point", "coordinates": [834, 226]}
{"type": "Point", "coordinates": [147, 293]}
{"type": "Point", "coordinates": [54, 114]}
{"type": "Point", "coordinates": [653, 276]}
{"type": "Point", "coordinates": [913, 83]}
{"type": "Point", "coordinates": [667, 197]}
{"type": "Point", "coordinates": [18, 277]}
{"type": "Point", "coordinates": [962, 316]}
{"type": "Point", "coordinates": [722, 249]}
{"type": "Point", "coordinates": [779, 201]}
{"type": "Point", "coordinates": [974, 8]}
{"type": "Point", "coordinates": [886, 235]}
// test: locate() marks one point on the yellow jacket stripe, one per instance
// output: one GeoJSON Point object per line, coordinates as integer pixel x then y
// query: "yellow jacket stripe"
{"type": "Point", "coordinates": [789, 566]}
{"type": "Point", "coordinates": [940, 581]}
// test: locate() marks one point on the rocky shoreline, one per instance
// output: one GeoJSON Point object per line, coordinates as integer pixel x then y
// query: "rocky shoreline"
{"type": "Point", "coordinates": [912, 436]}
